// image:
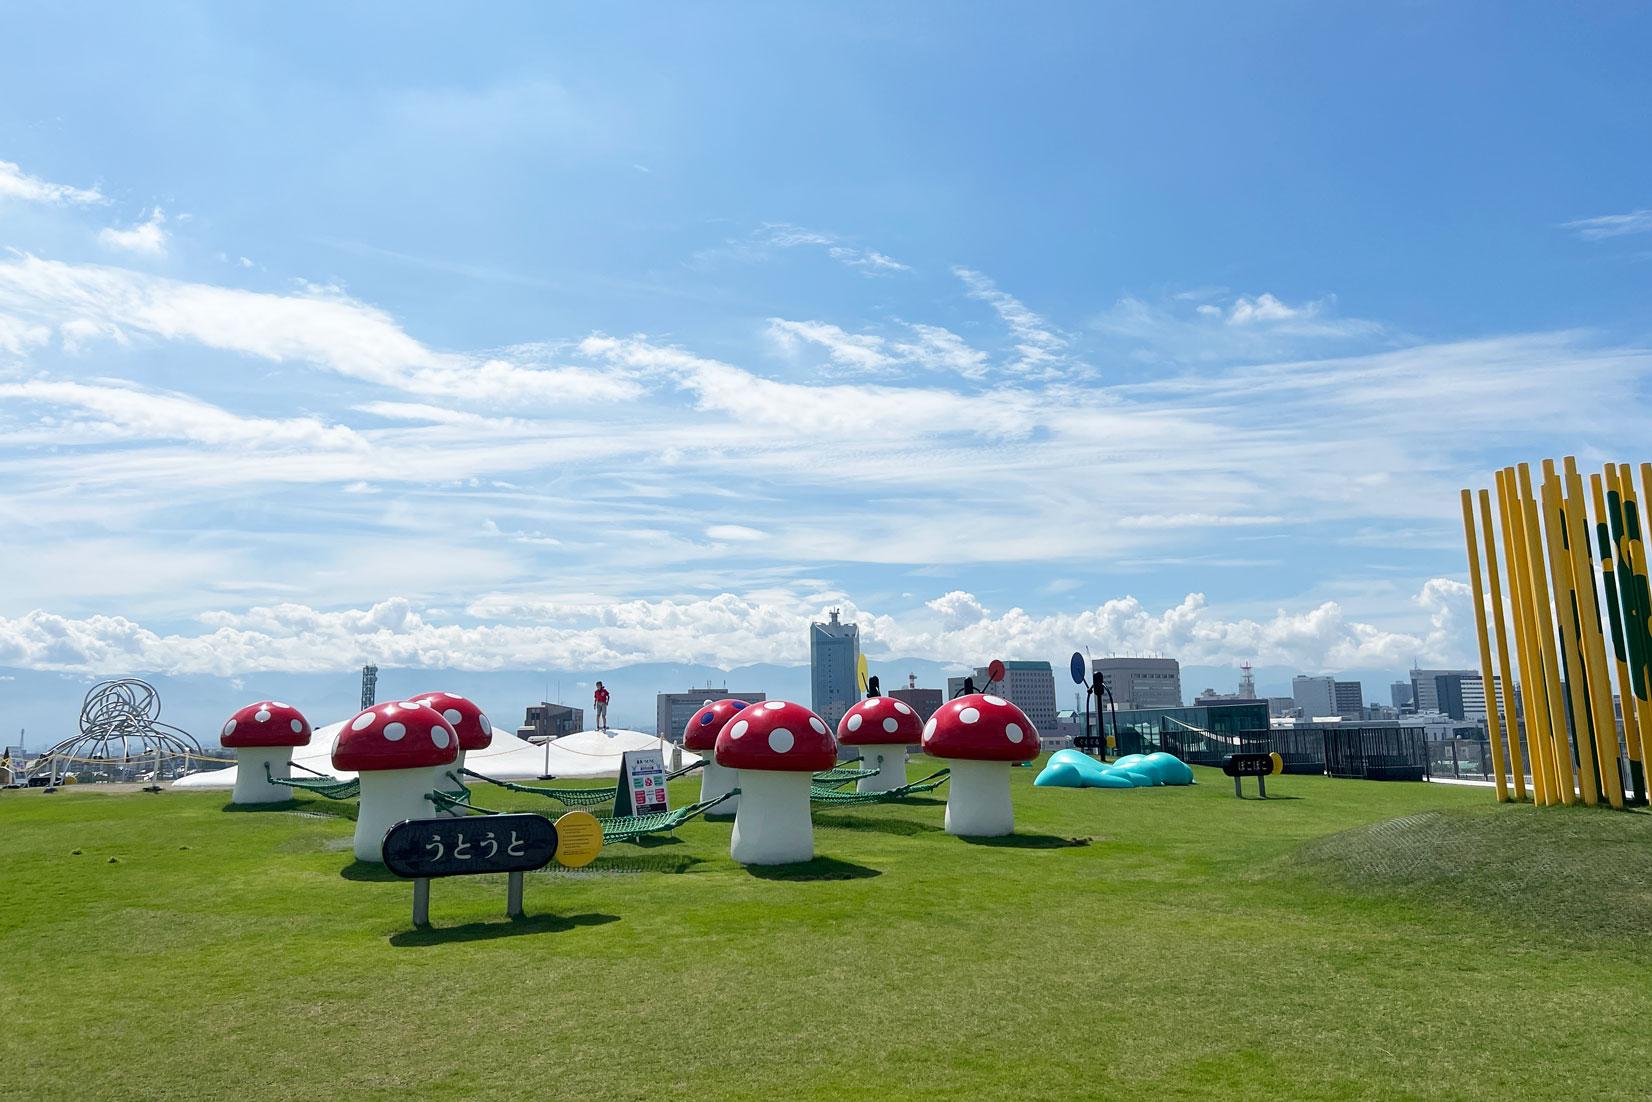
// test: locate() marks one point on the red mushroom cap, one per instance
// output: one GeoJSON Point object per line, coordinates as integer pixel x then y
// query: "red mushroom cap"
{"type": "Point", "coordinates": [779, 736]}
{"type": "Point", "coordinates": [879, 721]}
{"type": "Point", "coordinates": [268, 723]}
{"type": "Point", "coordinates": [981, 727]}
{"type": "Point", "coordinates": [706, 724]}
{"type": "Point", "coordinates": [395, 736]}
{"type": "Point", "coordinates": [467, 720]}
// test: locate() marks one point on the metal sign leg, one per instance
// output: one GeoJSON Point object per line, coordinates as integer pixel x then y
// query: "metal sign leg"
{"type": "Point", "coordinates": [421, 901]}
{"type": "Point", "coordinates": [1237, 790]}
{"type": "Point", "coordinates": [1262, 786]}
{"type": "Point", "coordinates": [513, 900]}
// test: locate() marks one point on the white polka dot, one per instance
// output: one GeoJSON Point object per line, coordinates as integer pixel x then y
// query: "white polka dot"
{"type": "Point", "coordinates": [780, 740]}
{"type": "Point", "coordinates": [394, 731]}
{"type": "Point", "coordinates": [902, 709]}
{"type": "Point", "coordinates": [740, 727]}
{"type": "Point", "coordinates": [891, 724]}
{"type": "Point", "coordinates": [998, 700]}
{"type": "Point", "coordinates": [1012, 732]}
{"type": "Point", "coordinates": [487, 727]}
{"type": "Point", "coordinates": [854, 722]}
{"type": "Point", "coordinates": [929, 730]}
{"type": "Point", "coordinates": [414, 704]}
{"type": "Point", "coordinates": [262, 715]}
{"type": "Point", "coordinates": [279, 704]}
{"type": "Point", "coordinates": [297, 726]}
{"type": "Point", "coordinates": [774, 704]}
{"type": "Point", "coordinates": [453, 716]}
{"type": "Point", "coordinates": [818, 724]}
{"type": "Point", "coordinates": [969, 715]}
{"type": "Point", "coordinates": [439, 735]}
{"type": "Point", "coordinates": [362, 722]}
{"type": "Point", "coordinates": [229, 728]}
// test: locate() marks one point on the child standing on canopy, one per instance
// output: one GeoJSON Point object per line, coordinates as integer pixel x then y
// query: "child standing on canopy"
{"type": "Point", "coordinates": [600, 697]}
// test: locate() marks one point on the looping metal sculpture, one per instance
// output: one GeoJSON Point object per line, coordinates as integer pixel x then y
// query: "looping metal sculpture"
{"type": "Point", "coordinates": [120, 727]}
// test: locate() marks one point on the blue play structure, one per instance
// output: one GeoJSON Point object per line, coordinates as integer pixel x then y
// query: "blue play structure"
{"type": "Point", "coordinates": [1075, 769]}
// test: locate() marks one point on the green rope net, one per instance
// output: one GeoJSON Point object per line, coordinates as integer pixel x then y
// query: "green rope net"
{"type": "Point", "coordinates": [330, 787]}
{"type": "Point", "coordinates": [832, 797]}
{"type": "Point", "coordinates": [838, 777]}
{"type": "Point", "coordinates": [632, 827]}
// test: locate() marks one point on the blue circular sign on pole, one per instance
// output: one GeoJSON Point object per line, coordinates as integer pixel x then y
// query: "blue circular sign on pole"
{"type": "Point", "coordinates": [1077, 668]}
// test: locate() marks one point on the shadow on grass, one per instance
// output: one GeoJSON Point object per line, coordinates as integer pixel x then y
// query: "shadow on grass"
{"type": "Point", "coordinates": [370, 872]}
{"type": "Point", "coordinates": [904, 827]}
{"type": "Point", "coordinates": [487, 931]}
{"type": "Point", "coordinates": [614, 861]}
{"type": "Point", "coordinates": [1026, 841]}
{"type": "Point", "coordinates": [1270, 798]}
{"type": "Point", "coordinates": [821, 868]}
{"type": "Point", "coordinates": [284, 805]}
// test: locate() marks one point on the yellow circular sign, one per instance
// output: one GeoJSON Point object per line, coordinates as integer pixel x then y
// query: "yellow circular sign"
{"type": "Point", "coordinates": [1278, 764]}
{"type": "Point", "coordinates": [578, 839]}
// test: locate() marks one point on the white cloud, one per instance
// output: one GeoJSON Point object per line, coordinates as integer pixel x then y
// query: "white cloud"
{"type": "Point", "coordinates": [857, 351]}
{"type": "Point", "coordinates": [1042, 347]}
{"type": "Point", "coordinates": [783, 235]}
{"type": "Point", "coordinates": [726, 630]}
{"type": "Point", "coordinates": [147, 237]}
{"type": "Point", "coordinates": [737, 532]}
{"type": "Point", "coordinates": [1183, 328]}
{"type": "Point", "coordinates": [1611, 225]}
{"type": "Point", "coordinates": [121, 411]}
{"type": "Point", "coordinates": [17, 184]}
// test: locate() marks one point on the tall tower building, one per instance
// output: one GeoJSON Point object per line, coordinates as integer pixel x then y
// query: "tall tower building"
{"type": "Point", "coordinates": [834, 655]}
{"type": "Point", "coordinates": [1247, 682]}
{"type": "Point", "coordinates": [369, 687]}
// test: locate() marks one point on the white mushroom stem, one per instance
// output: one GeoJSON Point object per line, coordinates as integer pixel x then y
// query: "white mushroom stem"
{"type": "Point", "coordinates": [978, 799]}
{"type": "Point", "coordinates": [714, 781]}
{"type": "Point", "coordinates": [889, 761]}
{"type": "Point", "coordinates": [387, 797]}
{"type": "Point", "coordinates": [252, 784]}
{"type": "Point", "coordinates": [773, 825]}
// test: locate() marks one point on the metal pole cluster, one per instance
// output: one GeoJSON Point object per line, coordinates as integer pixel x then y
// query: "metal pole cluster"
{"type": "Point", "coordinates": [120, 726]}
{"type": "Point", "coordinates": [1545, 587]}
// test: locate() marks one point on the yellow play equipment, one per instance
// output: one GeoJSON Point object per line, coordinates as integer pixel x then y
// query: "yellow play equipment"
{"type": "Point", "coordinates": [1559, 636]}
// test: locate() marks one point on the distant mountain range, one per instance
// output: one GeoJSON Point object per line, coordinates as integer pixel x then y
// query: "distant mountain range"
{"type": "Point", "coordinates": [47, 705]}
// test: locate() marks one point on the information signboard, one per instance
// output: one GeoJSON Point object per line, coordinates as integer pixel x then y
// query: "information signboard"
{"type": "Point", "coordinates": [642, 789]}
{"type": "Point", "coordinates": [424, 849]}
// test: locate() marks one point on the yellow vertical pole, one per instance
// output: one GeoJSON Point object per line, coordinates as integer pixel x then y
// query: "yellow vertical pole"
{"type": "Point", "coordinates": [1534, 695]}
{"type": "Point", "coordinates": [1517, 760]}
{"type": "Point", "coordinates": [1638, 620]}
{"type": "Point", "coordinates": [1562, 776]}
{"type": "Point", "coordinates": [1565, 610]}
{"type": "Point", "coordinates": [1627, 700]}
{"type": "Point", "coordinates": [1591, 643]}
{"type": "Point", "coordinates": [1487, 672]}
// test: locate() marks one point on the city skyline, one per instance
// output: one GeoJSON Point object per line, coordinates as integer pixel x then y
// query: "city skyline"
{"type": "Point", "coordinates": [574, 349]}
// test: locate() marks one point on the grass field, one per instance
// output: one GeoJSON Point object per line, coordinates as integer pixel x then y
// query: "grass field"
{"type": "Point", "coordinates": [1348, 940]}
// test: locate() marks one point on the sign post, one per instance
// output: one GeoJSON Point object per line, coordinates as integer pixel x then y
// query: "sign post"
{"type": "Point", "coordinates": [642, 789]}
{"type": "Point", "coordinates": [422, 850]}
{"type": "Point", "coordinates": [1260, 766]}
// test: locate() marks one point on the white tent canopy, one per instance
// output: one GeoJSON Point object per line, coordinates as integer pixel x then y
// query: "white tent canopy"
{"type": "Point", "coordinates": [580, 755]}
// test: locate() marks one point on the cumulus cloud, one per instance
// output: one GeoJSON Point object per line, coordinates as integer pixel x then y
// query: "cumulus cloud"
{"type": "Point", "coordinates": [147, 237]}
{"type": "Point", "coordinates": [17, 184]}
{"type": "Point", "coordinates": [515, 632]}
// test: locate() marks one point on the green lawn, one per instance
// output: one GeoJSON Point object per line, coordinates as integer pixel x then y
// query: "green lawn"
{"type": "Point", "coordinates": [1349, 940]}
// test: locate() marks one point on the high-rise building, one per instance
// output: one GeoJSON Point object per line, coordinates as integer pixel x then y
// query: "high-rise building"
{"type": "Point", "coordinates": [1348, 699]}
{"type": "Point", "coordinates": [369, 686]}
{"type": "Point", "coordinates": [1142, 682]}
{"type": "Point", "coordinates": [834, 655]}
{"type": "Point", "coordinates": [672, 711]}
{"type": "Point", "coordinates": [1425, 694]}
{"type": "Point", "coordinates": [547, 721]}
{"type": "Point", "coordinates": [1316, 696]}
{"type": "Point", "coordinates": [1399, 694]}
{"type": "Point", "coordinates": [1247, 682]}
{"type": "Point", "coordinates": [1030, 686]}
{"type": "Point", "coordinates": [1463, 695]}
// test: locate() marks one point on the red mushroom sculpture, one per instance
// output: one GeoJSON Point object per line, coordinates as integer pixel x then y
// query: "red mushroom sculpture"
{"type": "Point", "coordinates": [263, 736]}
{"type": "Point", "coordinates": [881, 728]}
{"type": "Point", "coordinates": [980, 736]}
{"type": "Point", "coordinates": [777, 746]}
{"type": "Point", "coordinates": [397, 750]}
{"type": "Point", "coordinates": [700, 736]}
{"type": "Point", "coordinates": [468, 721]}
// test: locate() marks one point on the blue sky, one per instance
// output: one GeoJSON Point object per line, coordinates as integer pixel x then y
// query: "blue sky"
{"type": "Point", "coordinates": [574, 336]}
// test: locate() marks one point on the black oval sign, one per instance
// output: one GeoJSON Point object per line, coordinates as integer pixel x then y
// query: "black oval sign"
{"type": "Point", "coordinates": [1248, 765]}
{"type": "Point", "coordinates": [427, 848]}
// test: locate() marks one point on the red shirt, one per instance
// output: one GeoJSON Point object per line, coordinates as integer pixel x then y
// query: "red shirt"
{"type": "Point", "coordinates": [601, 696]}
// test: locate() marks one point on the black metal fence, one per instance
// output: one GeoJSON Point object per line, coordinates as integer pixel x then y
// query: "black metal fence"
{"type": "Point", "coordinates": [1341, 750]}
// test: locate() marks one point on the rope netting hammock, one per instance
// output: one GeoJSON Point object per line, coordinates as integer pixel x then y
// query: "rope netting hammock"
{"type": "Point", "coordinates": [831, 796]}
